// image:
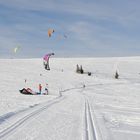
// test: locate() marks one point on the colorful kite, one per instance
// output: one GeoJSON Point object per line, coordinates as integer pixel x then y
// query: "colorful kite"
{"type": "Point", "coordinates": [50, 31]}
{"type": "Point", "coordinates": [16, 49]}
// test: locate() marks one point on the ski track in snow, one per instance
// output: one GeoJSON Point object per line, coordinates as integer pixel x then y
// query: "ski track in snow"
{"type": "Point", "coordinates": [12, 128]}
{"type": "Point", "coordinates": [91, 128]}
{"type": "Point", "coordinates": [90, 131]}
{"type": "Point", "coordinates": [109, 107]}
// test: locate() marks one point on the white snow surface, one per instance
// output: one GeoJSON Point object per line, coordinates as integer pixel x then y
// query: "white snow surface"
{"type": "Point", "coordinates": [105, 109]}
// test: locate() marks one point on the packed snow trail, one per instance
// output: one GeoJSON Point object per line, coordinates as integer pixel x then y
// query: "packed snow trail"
{"type": "Point", "coordinates": [106, 109]}
{"type": "Point", "coordinates": [32, 113]}
{"type": "Point", "coordinates": [90, 129]}
{"type": "Point", "coordinates": [62, 116]}
{"type": "Point", "coordinates": [70, 108]}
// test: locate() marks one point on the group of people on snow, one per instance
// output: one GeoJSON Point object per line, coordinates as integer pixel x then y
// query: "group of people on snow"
{"type": "Point", "coordinates": [32, 92]}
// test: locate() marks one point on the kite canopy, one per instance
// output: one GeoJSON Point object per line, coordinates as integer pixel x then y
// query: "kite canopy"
{"type": "Point", "coordinates": [50, 31]}
{"type": "Point", "coordinates": [15, 49]}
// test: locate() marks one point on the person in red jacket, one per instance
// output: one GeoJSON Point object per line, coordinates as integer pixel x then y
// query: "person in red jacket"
{"type": "Point", "coordinates": [40, 88]}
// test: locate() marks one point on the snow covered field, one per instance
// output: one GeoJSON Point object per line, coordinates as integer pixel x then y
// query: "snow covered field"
{"type": "Point", "coordinates": [105, 109]}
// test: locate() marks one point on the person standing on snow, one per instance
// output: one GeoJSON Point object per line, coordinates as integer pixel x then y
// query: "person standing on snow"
{"type": "Point", "coordinates": [40, 88]}
{"type": "Point", "coordinates": [46, 60]}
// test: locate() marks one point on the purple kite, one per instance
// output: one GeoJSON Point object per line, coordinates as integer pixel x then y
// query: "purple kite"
{"type": "Point", "coordinates": [46, 60]}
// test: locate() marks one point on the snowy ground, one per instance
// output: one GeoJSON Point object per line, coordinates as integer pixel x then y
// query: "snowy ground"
{"type": "Point", "coordinates": [105, 109]}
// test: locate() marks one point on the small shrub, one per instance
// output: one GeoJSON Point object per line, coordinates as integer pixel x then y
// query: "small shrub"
{"type": "Point", "coordinates": [116, 75]}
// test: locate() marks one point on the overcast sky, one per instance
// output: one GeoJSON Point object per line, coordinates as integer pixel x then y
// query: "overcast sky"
{"type": "Point", "coordinates": [82, 28]}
